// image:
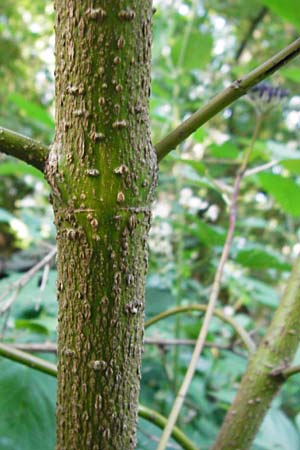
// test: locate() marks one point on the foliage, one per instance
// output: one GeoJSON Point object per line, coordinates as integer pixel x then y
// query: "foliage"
{"type": "Point", "coordinates": [195, 55]}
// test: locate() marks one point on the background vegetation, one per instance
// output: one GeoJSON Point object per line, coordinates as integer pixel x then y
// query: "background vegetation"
{"type": "Point", "coordinates": [199, 47]}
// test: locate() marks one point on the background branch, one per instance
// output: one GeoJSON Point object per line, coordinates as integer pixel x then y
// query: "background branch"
{"type": "Point", "coordinates": [259, 386]}
{"type": "Point", "coordinates": [225, 98]}
{"type": "Point", "coordinates": [24, 148]}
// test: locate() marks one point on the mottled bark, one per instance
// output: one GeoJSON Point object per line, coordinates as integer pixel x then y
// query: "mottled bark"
{"type": "Point", "coordinates": [102, 170]}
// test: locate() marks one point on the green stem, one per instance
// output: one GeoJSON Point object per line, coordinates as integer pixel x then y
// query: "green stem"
{"type": "Point", "coordinates": [43, 366]}
{"type": "Point", "coordinates": [249, 344]}
{"type": "Point", "coordinates": [225, 98]}
{"type": "Point", "coordinates": [20, 357]}
{"type": "Point", "coordinates": [23, 148]}
{"type": "Point", "coordinates": [159, 420]}
{"type": "Point", "coordinates": [259, 385]}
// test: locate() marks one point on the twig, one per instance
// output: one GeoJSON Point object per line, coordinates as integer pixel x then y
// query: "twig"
{"type": "Point", "coordinates": [213, 296]}
{"type": "Point", "coordinates": [42, 286]}
{"type": "Point", "coordinates": [18, 285]}
{"type": "Point", "coordinates": [26, 359]}
{"type": "Point", "coordinates": [286, 372]}
{"type": "Point", "coordinates": [225, 98]}
{"type": "Point", "coordinates": [253, 25]}
{"type": "Point", "coordinates": [261, 168]}
{"type": "Point", "coordinates": [23, 148]}
{"type": "Point", "coordinates": [240, 331]}
{"type": "Point", "coordinates": [161, 421]}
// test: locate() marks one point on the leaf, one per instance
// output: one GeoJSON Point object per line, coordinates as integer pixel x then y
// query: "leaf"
{"type": "Point", "coordinates": [227, 150]}
{"type": "Point", "coordinates": [208, 234]}
{"type": "Point", "coordinates": [292, 73]}
{"type": "Point", "coordinates": [284, 190]}
{"type": "Point", "coordinates": [292, 165]}
{"type": "Point", "coordinates": [27, 408]}
{"type": "Point", "coordinates": [32, 110]}
{"type": "Point", "coordinates": [197, 52]}
{"type": "Point", "coordinates": [277, 432]}
{"type": "Point", "coordinates": [261, 258]}
{"type": "Point", "coordinates": [20, 168]}
{"type": "Point", "coordinates": [259, 291]}
{"type": "Point", "coordinates": [288, 9]}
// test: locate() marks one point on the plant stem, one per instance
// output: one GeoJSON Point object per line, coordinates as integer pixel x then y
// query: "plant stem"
{"type": "Point", "coordinates": [213, 296]}
{"type": "Point", "coordinates": [259, 384]}
{"type": "Point", "coordinates": [24, 148]}
{"type": "Point", "coordinates": [225, 98]}
{"type": "Point", "coordinates": [161, 421]}
{"type": "Point", "coordinates": [249, 344]}
{"type": "Point", "coordinates": [16, 355]}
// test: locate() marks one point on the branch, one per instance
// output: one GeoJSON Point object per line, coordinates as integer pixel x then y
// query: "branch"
{"type": "Point", "coordinates": [160, 421]}
{"type": "Point", "coordinates": [253, 25]}
{"type": "Point", "coordinates": [286, 372]}
{"type": "Point", "coordinates": [39, 364]}
{"type": "Point", "coordinates": [11, 353]}
{"type": "Point", "coordinates": [259, 385]}
{"type": "Point", "coordinates": [24, 148]}
{"type": "Point", "coordinates": [249, 344]}
{"type": "Point", "coordinates": [225, 98]}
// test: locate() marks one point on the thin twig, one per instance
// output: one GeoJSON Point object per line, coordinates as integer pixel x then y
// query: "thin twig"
{"type": "Point", "coordinates": [261, 168]}
{"type": "Point", "coordinates": [240, 331]}
{"type": "Point", "coordinates": [225, 98]}
{"type": "Point", "coordinates": [253, 25]}
{"type": "Point", "coordinates": [23, 148]}
{"type": "Point", "coordinates": [26, 359]}
{"type": "Point", "coordinates": [213, 296]}
{"type": "Point", "coordinates": [286, 372]}
{"type": "Point", "coordinates": [22, 281]}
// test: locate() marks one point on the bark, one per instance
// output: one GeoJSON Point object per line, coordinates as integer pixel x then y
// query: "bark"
{"type": "Point", "coordinates": [102, 170]}
{"type": "Point", "coordinates": [265, 375]}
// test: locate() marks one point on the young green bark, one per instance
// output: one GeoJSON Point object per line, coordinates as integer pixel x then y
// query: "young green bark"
{"type": "Point", "coordinates": [102, 170]}
{"type": "Point", "coordinates": [261, 383]}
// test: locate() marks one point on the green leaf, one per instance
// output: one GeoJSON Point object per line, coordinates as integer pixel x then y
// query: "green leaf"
{"type": "Point", "coordinates": [27, 408]}
{"type": "Point", "coordinates": [277, 432]}
{"type": "Point", "coordinates": [208, 234]}
{"type": "Point", "coordinates": [292, 73]}
{"type": "Point", "coordinates": [227, 150]}
{"type": "Point", "coordinates": [284, 190]}
{"type": "Point", "coordinates": [32, 110]}
{"type": "Point", "coordinates": [20, 168]}
{"type": "Point", "coordinates": [287, 9]}
{"type": "Point", "coordinates": [292, 165]}
{"type": "Point", "coordinates": [261, 258]}
{"type": "Point", "coordinates": [197, 52]}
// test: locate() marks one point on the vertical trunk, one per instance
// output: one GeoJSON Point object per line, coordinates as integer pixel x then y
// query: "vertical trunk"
{"type": "Point", "coordinates": [102, 170]}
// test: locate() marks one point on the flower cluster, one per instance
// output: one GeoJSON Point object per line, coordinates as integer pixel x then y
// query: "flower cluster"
{"type": "Point", "coordinates": [265, 97]}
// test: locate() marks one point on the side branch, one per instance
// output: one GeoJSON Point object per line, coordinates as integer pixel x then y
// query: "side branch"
{"type": "Point", "coordinates": [24, 148]}
{"type": "Point", "coordinates": [248, 342]}
{"type": "Point", "coordinates": [236, 90]}
{"type": "Point", "coordinates": [7, 351]}
{"type": "Point", "coordinates": [260, 383]}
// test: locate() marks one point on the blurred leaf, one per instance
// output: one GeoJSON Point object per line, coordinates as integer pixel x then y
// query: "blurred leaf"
{"type": "Point", "coordinates": [288, 9]}
{"type": "Point", "coordinates": [261, 258]}
{"type": "Point", "coordinates": [293, 165]}
{"type": "Point", "coordinates": [32, 110]}
{"type": "Point", "coordinates": [284, 190]}
{"type": "Point", "coordinates": [226, 150]}
{"type": "Point", "coordinates": [277, 433]}
{"type": "Point", "coordinates": [27, 408]}
{"type": "Point", "coordinates": [20, 168]}
{"type": "Point", "coordinates": [197, 52]}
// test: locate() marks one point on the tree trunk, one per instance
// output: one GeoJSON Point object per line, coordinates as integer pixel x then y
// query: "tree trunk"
{"type": "Point", "coordinates": [102, 171]}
